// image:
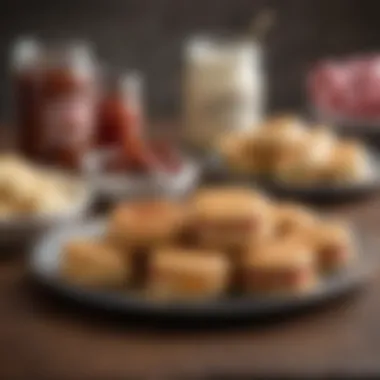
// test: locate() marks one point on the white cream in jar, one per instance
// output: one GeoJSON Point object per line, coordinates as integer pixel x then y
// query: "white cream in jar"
{"type": "Point", "coordinates": [223, 88]}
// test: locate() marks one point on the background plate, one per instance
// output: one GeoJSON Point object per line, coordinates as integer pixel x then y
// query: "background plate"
{"type": "Point", "coordinates": [216, 171]}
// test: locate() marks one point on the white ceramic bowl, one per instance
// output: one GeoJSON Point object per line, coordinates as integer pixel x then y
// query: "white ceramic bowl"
{"type": "Point", "coordinates": [116, 187]}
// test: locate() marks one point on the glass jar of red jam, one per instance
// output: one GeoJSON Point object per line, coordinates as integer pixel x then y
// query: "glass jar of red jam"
{"type": "Point", "coordinates": [25, 82]}
{"type": "Point", "coordinates": [120, 125]}
{"type": "Point", "coordinates": [120, 112]}
{"type": "Point", "coordinates": [121, 131]}
{"type": "Point", "coordinates": [56, 94]}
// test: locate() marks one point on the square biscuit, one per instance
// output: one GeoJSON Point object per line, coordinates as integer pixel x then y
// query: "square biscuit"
{"type": "Point", "coordinates": [226, 218]}
{"type": "Point", "coordinates": [282, 266]}
{"type": "Point", "coordinates": [95, 264]}
{"type": "Point", "coordinates": [176, 273]}
{"type": "Point", "coordinates": [145, 223]}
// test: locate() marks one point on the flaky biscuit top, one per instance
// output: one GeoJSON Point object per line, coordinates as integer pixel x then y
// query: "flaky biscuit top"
{"type": "Point", "coordinates": [227, 204]}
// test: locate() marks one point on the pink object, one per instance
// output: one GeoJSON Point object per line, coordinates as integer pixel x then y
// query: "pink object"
{"type": "Point", "coordinates": [348, 88]}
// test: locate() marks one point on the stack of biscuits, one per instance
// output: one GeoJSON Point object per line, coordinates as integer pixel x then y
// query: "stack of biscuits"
{"type": "Point", "coordinates": [218, 241]}
{"type": "Point", "coordinates": [287, 149]}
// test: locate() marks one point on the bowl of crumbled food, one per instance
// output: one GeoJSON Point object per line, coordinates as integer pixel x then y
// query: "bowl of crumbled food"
{"type": "Point", "coordinates": [160, 169]}
{"type": "Point", "coordinates": [34, 199]}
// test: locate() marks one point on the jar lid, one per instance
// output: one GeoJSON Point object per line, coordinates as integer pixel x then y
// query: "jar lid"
{"type": "Point", "coordinates": [131, 82]}
{"type": "Point", "coordinates": [220, 42]}
{"type": "Point", "coordinates": [78, 55]}
{"type": "Point", "coordinates": [25, 53]}
{"type": "Point", "coordinates": [128, 82]}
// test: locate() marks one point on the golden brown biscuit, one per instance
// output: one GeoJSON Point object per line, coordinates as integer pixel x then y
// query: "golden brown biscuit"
{"type": "Point", "coordinates": [145, 223]}
{"type": "Point", "coordinates": [282, 131]}
{"type": "Point", "coordinates": [226, 218]}
{"type": "Point", "coordinates": [333, 244]}
{"type": "Point", "coordinates": [260, 155]}
{"type": "Point", "coordinates": [241, 160]}
{"type": "Point", "coordinates": [321, 142]}
{"type": "Point", "coordinates": [291, 218]}
{"type": "Point", "coordinates": [305, 163]}
{"type": "Point", "coordinates": [229, 144]}
{"type": "Point", "coordinates": [92, 263]}
{"type": "Point", "coordinates": [176, 273]}
{"type": "Point", "coordinates": [349, 162]}
{"type": "Point", "coordinates": [284, 127]}
{"type": "Point", "coordinates": [300, 171]}
{"type": "Point", "coordinates": [243, 152]}
{"type": "Point", "coordinates": [285, 265]}
{"type": "Point", "coordinates": [239, 258]}
{"type": "Point", "coordinates": [279, 139]}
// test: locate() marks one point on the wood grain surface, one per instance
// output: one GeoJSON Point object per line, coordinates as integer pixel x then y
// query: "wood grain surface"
{"type": "Point", "coordinates": [42, 336]}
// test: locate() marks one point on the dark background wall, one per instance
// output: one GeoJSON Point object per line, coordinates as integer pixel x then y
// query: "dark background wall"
{"type": "Point", "coordinates": [147, 34]}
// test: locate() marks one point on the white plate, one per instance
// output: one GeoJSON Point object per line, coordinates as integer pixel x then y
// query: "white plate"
{"type": "Point", "coordinates": [218, 172]}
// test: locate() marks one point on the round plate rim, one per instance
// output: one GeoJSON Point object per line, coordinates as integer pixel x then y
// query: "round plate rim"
{"type": "Point", "coordinates": [220, 308]}
{"type": "Point", "coordinates": [310, 191]}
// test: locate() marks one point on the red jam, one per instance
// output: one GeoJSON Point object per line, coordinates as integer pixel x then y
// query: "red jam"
{"type": "Point", "coordinates": [55, 99]}
{"type": "Point", "coordinates": [120, 129]}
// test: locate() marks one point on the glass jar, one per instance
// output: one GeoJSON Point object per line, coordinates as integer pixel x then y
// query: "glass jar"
{"type": "Point", "coordinates": [120, 126]}
{"type": "Point", "coordinates": [223, 88]}
{"type": "Point", "coordinates": [56, 92]}
{"type": "Point", "coordinates": [120, 111]}
{"type": "Point", "coordinates": [25, 87]}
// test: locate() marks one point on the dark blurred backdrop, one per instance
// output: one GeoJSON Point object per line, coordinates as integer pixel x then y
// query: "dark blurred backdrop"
{"type": "Point", "coordinates": [147, 34]}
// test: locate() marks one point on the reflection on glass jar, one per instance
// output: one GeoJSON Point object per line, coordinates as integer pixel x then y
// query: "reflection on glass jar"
{"type": "Point", "coordinates": [223, 87]}
{"type": "Point", "coordinates": [120, 111]}
{"type": "Point", "coordinates": [55, 90]}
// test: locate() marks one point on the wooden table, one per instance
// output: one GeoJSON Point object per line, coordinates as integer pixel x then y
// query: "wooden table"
{"type": "Point", "coordinates": [41, 337]}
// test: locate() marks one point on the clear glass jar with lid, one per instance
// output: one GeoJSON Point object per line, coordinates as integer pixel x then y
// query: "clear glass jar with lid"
{"type": "Point", "coordinates": [224, 87]}
{"type": "Point", "coordinates": [55, 91]}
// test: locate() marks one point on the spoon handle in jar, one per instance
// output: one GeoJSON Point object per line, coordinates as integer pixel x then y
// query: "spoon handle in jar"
{"type": "Point", "coordinates": [262, 24]}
